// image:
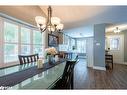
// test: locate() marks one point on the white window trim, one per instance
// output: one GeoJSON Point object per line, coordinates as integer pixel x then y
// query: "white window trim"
{"type": "Point", "coordinates": [118, 49]}
{"type": "Point", "coordinates": [2, 42]}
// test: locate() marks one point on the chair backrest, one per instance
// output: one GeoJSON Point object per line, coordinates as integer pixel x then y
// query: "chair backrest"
{"type": "Point", "coordinates": [68, 74]}
{"type": "Point", "coordinates": [76, 57]}
{"type": "Point", "coordinates": [23, 59]}
{"type": "Point", "coordinates": [109, 58]}
{"type": "Point", "coordinates": [61, 54]}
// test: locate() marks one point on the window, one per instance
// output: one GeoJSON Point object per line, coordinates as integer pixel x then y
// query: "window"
{"type": "Point", "coordinates": [25, 35]}
{"type": "Point", "coordinates": [18, 39]}
{"type": "Point", "coordinates": [10, 42]}
{"type": "Point", "coordinates": [66, 39]}
{"type": "Point", "coordinates": [25, 49]}
{"type": "Point", "coordinates": [37, 42]}
{"type": "Point", "coordinates": [25, 41]}
{"type": "Point", "coordinates": [69, 42]}
{"type": "Point", "coordinates": [81, 46]}
{"type": "Point", "coordinates": [72, 44]}
{"type": "Point", "coordinates": [114, 43]}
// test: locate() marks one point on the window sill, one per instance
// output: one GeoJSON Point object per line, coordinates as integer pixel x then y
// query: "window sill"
{"type": "Point", "coordinates": [10, 64]}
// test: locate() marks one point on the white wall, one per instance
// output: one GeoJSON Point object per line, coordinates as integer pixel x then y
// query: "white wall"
{"type": "Point", "coordinates": [87, 34]}
{"type": "Point", "coordinates": [118, 55]}
{"type": "Point", "coordinates": [80, 32]}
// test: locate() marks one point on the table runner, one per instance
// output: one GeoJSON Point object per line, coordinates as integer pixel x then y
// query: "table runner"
{"type": "Point", "coordinates": [17, 77]}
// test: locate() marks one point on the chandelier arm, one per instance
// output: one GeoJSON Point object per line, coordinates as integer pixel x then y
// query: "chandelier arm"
{"type": "Point", "coordinates": [48, 24]}
{"type": "Point", "coordinates": [49, 15]}
{"type": "Point", "coordinates": [44, 29]}
{"type": "Point", "coordinates": [55, 27]}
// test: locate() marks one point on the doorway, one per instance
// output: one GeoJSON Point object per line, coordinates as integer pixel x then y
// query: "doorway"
{"type": "Point", "coordinates": [81, 48]}
{"type": "Point", "coordinates": [85, 50]}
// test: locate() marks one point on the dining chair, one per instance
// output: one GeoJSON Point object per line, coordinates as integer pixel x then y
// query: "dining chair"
{"type": "Point", "coordinates": [24, 59]}
{"type": "Point", "coordinates": [108, 60]}
{"type": "Point", "coordinates": [66, 82]}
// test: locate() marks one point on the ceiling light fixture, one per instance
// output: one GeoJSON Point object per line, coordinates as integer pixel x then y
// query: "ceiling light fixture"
{"type": "Point", "coordinates": [117, 30]}
{"type": "Point", "coordinates": [51, 23]}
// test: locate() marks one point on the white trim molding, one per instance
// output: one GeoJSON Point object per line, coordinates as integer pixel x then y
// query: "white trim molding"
{"type": "Point", "coordinates": [125, 63]}
{"type": "Point", "coordinates": [18, 43]}
{"type": "Point", "coordinates": [122, 63]}
{"type": "Point", "coordinates": [99, 68]}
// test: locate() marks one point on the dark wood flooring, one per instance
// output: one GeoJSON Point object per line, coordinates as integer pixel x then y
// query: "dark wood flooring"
{"type": "Point", "coordinates": [87, 78]}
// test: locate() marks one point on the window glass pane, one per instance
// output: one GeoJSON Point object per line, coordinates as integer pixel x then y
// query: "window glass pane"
{"type": "Point", "coordinates": [25, 35]}
{"type": "Point", "coordinates": [66, 39]}
{"type": "Point", "coordinates": [37, 37]}
{"type": "Point", "coordinates": [10, 52]}
{"type": "Point", "coordinates": [72, 44]}
{"type": "Point", "coordinates": [81, 46]}
{"type": "Point", "coordinates": [10, 32]}
{"type": "Point", "coordinates": [38, 49]}
{"type": "Point", "coordinates": [25, 49]}
{"type": "Point", "coordinates": [114, 43]}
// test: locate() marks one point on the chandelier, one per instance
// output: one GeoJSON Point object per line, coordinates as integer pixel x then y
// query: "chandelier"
{"type": "Point", "coordinates": [50, 23]}
{"type": "Point", "coordinates": [117, 30]}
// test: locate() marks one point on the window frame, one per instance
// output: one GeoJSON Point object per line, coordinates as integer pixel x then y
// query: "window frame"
{"type": "Point", "coordinates": [81, 43]}
{"type": "Point", "coordinates": [29, 44]}
{"type": "Point", "coordinates": [36, 44]}
{"type": "Point", "coordinates": [2, 40]}
{"type": "Point", "coordinates": [11, 22]}
{"type": "Point", "coordinates": [118, 43]}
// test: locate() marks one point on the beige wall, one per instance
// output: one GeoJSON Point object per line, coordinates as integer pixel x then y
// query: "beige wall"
{"type": "Point", "coordinates": [24, 13]}
{"type": "Point", "coordinates": [118, 55]}
{"type": "Point", "coordinates": [60, 35]}
{"type": "Point", "coordinates": [27, 14]}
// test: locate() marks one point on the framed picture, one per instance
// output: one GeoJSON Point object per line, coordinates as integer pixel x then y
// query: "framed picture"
{"type": "Point", "coordinates": [53, 40]}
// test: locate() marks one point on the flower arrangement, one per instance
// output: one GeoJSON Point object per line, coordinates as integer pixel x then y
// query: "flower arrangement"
{"type": "Point", "coordinates": [50, 51]}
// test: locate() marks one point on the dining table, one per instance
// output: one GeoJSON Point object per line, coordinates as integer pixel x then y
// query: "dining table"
{"type": "Point", "coordinates": [28, 76]}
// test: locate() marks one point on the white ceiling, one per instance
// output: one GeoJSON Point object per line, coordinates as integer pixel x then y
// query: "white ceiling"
{"type": "Point", "coordinates": [74, 16]}
{"type": "Point", "coordinates": [80, 32]}
{"type": "Point", "coordinates": [23, 13]}
{"type": "Point", "coordinates": [111, 28]}
{"type": "Point", "coordinates": [82, 16]}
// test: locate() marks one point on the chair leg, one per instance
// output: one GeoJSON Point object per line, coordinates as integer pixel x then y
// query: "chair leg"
{"type": "Point", "coordinates": [72, 81]}
{"type": "Point", "coordinates": [112, 65]}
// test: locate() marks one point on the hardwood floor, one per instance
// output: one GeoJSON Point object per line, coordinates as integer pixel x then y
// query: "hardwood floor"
{"type": "Point", "coordinates": [87, 78]}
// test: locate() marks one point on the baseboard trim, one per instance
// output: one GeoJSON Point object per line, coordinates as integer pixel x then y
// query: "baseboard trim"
{"type": "Point", "coordinates": [125, 63]}
{"type": "Point", "coordinates": [99, 68]}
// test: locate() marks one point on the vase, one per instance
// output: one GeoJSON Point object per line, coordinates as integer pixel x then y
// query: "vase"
{"type": "Point", "coordinates": [51, 59]}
